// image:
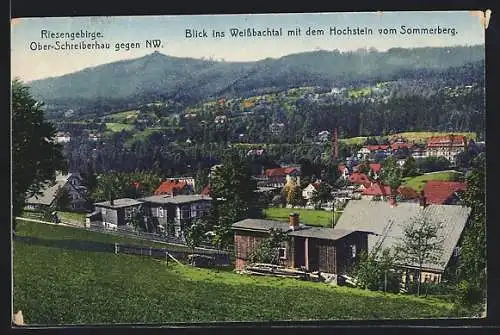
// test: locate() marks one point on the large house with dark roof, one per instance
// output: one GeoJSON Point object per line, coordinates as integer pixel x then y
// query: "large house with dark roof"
{"type": "Point", "coordinates": [115, 213]}
{"type": "Point", "coordinates": [175, 214]}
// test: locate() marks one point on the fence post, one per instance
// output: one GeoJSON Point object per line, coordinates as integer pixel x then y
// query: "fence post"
{"type": "Point", "coordinates": [166, 256]}
{"type": "Point", "coordinates": [150, 251]}
{"type": "Point", "coordinates": [116, 248]}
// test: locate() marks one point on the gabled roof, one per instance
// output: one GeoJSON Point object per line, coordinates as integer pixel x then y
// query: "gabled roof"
{"type": "Point", "coordinates": [375, 167]}
{"type": "Point", "coordinates": [280, 172]}
{"type": "Point", "coordinates": [177, 199]}
{"type": "Point", "coordinates": [119, 203]}
{"type": "Point", "coordinates": [377, 189]}
{"type": "Point", "coordinates": [48, 194]}
{"type": "Point", "coordinates": [260, 225]}
{"type": "Point", "coordinates": [446, 140]}
{"type": "Point", "coordinates": [373, 216]}
{"type": "Point", "coordinates": [169, 186]}
{"type": "Point", "coordinates": [360, 179]}
{"type": "Point", "coordinates": [377, 147]}
{"type": "Point", "coordinates": [438, 192]}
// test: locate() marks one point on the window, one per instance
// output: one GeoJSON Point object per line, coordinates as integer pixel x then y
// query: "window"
{"type": "Point", "coordinates": [456, 251]}
{"type": "Point", "coordinates": [160, 212]}
{"type": "Point", "coordinates": [353, 250]}
{"type": "Point", "coordinates": [103, 210]}
{"type": "Point", "coordinates": [282, 253]}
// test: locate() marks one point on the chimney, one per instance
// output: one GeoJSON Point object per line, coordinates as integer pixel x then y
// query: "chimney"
{"type": "Point", "coordinates": [423, 200]}
{"type": "Point", "coordinates": [293, 221]}
{"type": "Point", "coordinates": [392, 200]}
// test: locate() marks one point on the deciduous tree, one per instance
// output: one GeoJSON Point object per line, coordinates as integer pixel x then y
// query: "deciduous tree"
{"type": "Point", "coordinates": [421, 242]}
{"type": "Point", "coordinates": [35, 155]}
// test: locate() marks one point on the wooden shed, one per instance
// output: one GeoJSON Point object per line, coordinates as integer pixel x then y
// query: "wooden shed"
{"type": "Point", "coordinates": [312, 248]}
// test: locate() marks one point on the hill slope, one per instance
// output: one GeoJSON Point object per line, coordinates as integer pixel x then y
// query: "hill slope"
{"type": "Point", "coordinates": [160, 77]}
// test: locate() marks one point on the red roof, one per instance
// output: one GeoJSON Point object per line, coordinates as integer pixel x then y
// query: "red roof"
{"type": "Point", "coordinates": [408, 192]}
{"type": "Point", "coordinates": [375, 167]}
{"type": "Point", "coordinates": [446, 140]}
{"type": "Point", "coordinates": [205, 190]}
{"type": "Point", "coordinates": [378, 189]}
{"type": "Point", "coordinates": [360, 179]}
{"type": "Point", "coordinates": [170, 186]}
{"type": "Point", "coordinates": [377, 147]}
{"type": "Point", "coordinates": [396, 146]}
{"type": "Point", "coordinates": [437, 192]}
{"type": "Point", "coordinates": [279, 172]}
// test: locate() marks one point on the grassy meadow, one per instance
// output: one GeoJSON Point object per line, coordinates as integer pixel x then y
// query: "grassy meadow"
{"type": "Point", "coordinates": [310, 217]}
{"type": "Point", "coordinates": [60, 286]}
{"type": "Point", "coordinates": [418, 183]}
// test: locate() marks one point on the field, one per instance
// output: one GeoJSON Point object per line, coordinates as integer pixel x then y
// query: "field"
{"type": "Point", "coordinates": [117, 127]}
{"type": "Point", "coordinates": [307, 216]}
{"type": "Point", "coordinates": [123, 117]}
{"type": "Point", "coordinates": [410, 136]}
{"type": "Point", "coordinates": [417, 183]}
{"type": "Point", "coordinates": [58, 286]}
{"type": "Point", "coordinates": [58, 233]}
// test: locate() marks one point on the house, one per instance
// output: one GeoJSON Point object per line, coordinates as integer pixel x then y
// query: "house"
{"type": "Point", "coordinates": [443, 192]}
{"type": "Point", "coordinates": [308, 191]}
{"type": "Point", "coordinates": [447, 146]}
{"type": "Point", "coordinates": [175, 213]}
{"type": "Point", "coordinates": [419, 152]}
{"type": "Point", "coordinates": [279, 177]}
{"type": "Point", "coordinates": [174, 187]}
{"type": "Point", "coordinates": [115, 213]}
{"type": "Point", "coordinates": [363, 153]}
{"type": "Point", "coordinates": [94, 137]}
{"type": "Point", "coordinates": [359, 178]}
{"type": "Point", "coordinates": [386, 223]}
{"type": "Point", "coordinates": [377, 191]}
{"type": "Point", "coordinates": [328, 250]}
{"type": "Point", "coordinates": [344, 171]}
{"type": "Point", "coordinates": [62, 137]}
{"type": "Point", "coordinates": [324, 136]}
{"type": "Point", "coordinates": [276, 128]}
{"type": "Point", "coordinates": [71, 182]}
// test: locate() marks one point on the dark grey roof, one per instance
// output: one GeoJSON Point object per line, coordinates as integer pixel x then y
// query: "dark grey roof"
{"type": "Point", "coordinates": [373, 216]}
{"type": "Point", "coordinates": [260, 225]}
{"type": "Point", "coordinates": [178, 199]}
{"type": "Point", "coordinates": [320, 233]}
{"type": "Point", "coordinates": [119, 203]}
{"type": "Point", "coordinates": [48, 194]}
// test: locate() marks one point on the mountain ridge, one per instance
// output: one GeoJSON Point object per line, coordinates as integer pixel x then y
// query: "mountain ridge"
{"type": "Point", "coordinates": [158, 76]}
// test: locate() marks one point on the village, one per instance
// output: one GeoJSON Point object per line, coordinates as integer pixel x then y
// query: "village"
{"type": "Point", "coordinates": [367, 214]}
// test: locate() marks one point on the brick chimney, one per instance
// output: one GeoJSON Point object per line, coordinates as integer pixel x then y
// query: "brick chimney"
{"type": "Point", "coordinates": [392, 200]}
{"type": "Point", "coordinates": [293, 221]}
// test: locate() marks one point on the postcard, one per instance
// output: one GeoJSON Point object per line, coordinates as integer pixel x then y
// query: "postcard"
{"type": "Point", "coordinates": [248, 168]}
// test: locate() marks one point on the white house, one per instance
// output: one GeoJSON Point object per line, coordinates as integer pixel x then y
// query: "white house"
{"type": "Point", "coordinates": [363, 153]}
{"type": "Point", "coordinates": [308, 191]}
{"type": "Point", "coordinates": [62, 137]}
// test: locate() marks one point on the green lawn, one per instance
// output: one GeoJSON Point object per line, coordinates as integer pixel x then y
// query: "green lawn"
{"type": "Point", "coordinates": [57, 286]}
{"type": "Point", "coordinates": [307, 216]}
{"type": "Point", "coordinates": [117, 127]}
{"type": "Point", "coordinates": [418, 183]}
{"type": "Point", "coordinates": [53, 232]}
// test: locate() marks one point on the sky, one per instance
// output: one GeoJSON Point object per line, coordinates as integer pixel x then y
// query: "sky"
{"type": "Point", "coordinates": [30, 64]}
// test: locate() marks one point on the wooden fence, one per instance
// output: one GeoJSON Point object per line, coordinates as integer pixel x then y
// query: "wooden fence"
{"type": "Point", "coordinates": [220, 258]}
